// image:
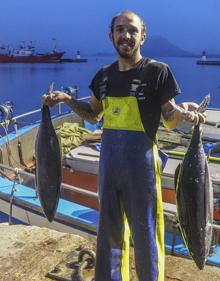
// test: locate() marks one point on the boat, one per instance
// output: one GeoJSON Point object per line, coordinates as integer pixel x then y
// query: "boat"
{"type": "Point", "coordinates": [78, 206]}
{"type": "Point", "coordinates": [27, 54]}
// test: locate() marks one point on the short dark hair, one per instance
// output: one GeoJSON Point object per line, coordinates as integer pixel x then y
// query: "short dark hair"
{"type": "Point", "coordinates": [144, 29]}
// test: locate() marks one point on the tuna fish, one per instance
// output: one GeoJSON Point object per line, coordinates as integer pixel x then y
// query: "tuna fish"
{"type": "Point", "coordinates": [194, 196]}
{"type": "Point", "coordinates": [48, 165]}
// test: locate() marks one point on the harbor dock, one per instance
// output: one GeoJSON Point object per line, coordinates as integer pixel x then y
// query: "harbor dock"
{"type": "Point", "coordinates": [205, 61]}
{"type": "Point", "coordinates": [28, 253]}
{"type": "Point", "coordinates": [73, 60]}
{"type": "Point", "coordinates": [208, 62]}
{"type": "Point", "coordinates": [77, 58]}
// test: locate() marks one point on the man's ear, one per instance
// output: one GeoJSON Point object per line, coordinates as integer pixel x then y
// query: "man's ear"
{"type": "Point", "coordinates": [110, 36]}
{"type": "Point", "coordinates": [143, 38]}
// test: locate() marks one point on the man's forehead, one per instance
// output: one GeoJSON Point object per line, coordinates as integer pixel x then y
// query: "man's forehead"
{"type": "Point", "coordinates": [126, 19]}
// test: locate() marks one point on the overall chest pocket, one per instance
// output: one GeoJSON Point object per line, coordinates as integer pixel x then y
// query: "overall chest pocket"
{"type": "Point", "coordinates": [122, 113]}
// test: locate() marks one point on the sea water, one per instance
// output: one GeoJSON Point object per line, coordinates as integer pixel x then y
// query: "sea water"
{"type": "Point", "coordinates": [25, 83]}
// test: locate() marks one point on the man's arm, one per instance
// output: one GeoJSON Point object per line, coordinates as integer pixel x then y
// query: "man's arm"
{"type": "Point", "coordinates": [174, 114]}
{"type": "Point", "coordinates": [91, 111]}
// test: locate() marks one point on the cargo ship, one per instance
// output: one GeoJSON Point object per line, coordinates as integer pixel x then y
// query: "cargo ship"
{"type": "Point", "coordinates": [27, 54]}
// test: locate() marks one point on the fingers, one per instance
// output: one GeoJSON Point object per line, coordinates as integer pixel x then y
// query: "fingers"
{"type": "Point", "coordinates": [194, 117]}
{"type": "Point", "coordinates": [202, 117]}
{"type": "Point", "coordinates": [192, 106]}
{"type": "Point", "coordinates": [50, 99]}
{"type": "Point", "coordinates": [55, 97]}
{"type": "Point", "coordinates": [191, 116]}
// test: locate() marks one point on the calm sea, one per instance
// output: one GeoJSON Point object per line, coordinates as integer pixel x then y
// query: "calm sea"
{"type": "Point", "coordinates": [25, 83]}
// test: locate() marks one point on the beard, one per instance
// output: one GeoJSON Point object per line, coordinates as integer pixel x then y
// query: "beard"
{"type": "Point", "coordinates": [123, 51]}
{"type": "Point", "coordinates": [123, 54]}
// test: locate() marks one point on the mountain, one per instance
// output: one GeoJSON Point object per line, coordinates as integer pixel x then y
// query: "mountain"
{"type": "Point", "coordinates": [157, 46]}
{"type": "Point", "coordinates": [212, 56]}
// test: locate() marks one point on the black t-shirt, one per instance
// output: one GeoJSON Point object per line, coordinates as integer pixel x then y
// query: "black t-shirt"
{"type": "Point", "coordinates": [150, 81]}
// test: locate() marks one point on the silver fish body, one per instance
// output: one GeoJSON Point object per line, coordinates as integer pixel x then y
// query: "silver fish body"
{"type": "Point", "coordinates": [48, 165]}
{"type": "Point", "coordinates": [194, 195]}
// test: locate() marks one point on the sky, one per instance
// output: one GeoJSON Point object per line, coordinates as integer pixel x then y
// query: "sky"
{"type": "Point", "coordinates": [192, 25]}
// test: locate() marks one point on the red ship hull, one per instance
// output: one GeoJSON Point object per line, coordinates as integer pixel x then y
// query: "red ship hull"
{"type": "Point", "coordinates": [49, 57]}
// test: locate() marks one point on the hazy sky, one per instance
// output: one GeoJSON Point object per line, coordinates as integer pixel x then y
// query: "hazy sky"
{"type": "Point", "coordinates": [193, 25]}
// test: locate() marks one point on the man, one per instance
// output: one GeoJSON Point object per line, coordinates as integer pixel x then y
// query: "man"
{"type": "Point", "coordinates": [130, 94]}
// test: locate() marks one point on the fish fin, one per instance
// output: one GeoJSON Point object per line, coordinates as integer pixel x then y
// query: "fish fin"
{"type": "Point", "coordinates": [176, 175]}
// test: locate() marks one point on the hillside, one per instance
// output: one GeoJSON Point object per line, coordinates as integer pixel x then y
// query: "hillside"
{"type": "Point", "coordinates": [157, 46]}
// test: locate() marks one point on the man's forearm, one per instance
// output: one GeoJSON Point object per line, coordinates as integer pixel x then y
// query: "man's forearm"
{"type": "Point", "coordinates": [173, 118]}
{"type": "Point", "coordinates": [84, 110]}
{"type": "Point", "coordinates": [174, 114]}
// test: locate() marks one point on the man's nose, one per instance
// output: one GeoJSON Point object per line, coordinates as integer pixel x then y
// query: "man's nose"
{"type": "Point", "coordinates": [126, 34]}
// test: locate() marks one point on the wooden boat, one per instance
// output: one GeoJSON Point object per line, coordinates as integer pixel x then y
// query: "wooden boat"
{"type": "Point", "coordinates": [78, 207]}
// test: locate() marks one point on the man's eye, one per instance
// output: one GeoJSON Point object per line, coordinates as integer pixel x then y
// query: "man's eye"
{"type": "Point", "coordinates": [120, 29]}
{"type": "Point", "coordinates": [132, 31]}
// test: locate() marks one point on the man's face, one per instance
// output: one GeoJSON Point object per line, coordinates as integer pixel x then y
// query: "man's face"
{"type": "Point", "coordinates": [127, 35]}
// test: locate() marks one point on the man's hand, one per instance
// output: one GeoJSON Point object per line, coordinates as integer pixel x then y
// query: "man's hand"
{"type": "Point", "coordinates": [190, 113]}
{"type": "Point", "coordinates": [55, 97]}
{"type": "Point", "coordinates": [174, 114]}
{"type": "Point", "coordinates": [91, 111]}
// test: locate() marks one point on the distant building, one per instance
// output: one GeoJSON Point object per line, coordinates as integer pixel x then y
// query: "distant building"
{"type": "Point", "coordinates": [78, 56]}
{"type": "Point", "coordinates": [203, 56]}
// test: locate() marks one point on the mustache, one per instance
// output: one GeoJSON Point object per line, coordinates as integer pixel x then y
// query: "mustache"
{"type": "Point", "coordinates": [127, 41]}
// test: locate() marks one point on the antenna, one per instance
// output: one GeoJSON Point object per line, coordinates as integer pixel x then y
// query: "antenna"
{"type": "Point", "coordinates": [55, 44]}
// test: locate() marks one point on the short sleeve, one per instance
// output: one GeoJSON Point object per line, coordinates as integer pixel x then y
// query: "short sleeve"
{"type": "Point", "coordinates": [168, 88]}
{"type": "Point", "coordinates": [94, 85]}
